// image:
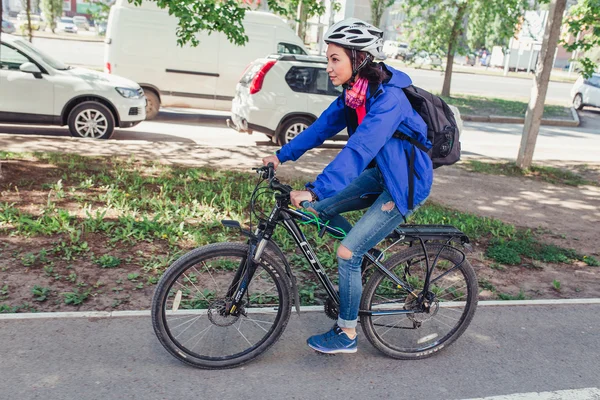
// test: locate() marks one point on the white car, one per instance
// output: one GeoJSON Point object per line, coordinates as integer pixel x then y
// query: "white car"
{"type": "Point", "coordinates": [281, 95]}
{"type": "Point", "coordinates": [81, 22]}
{"type": "Point", "coordinates": [66, 24]}
{"type": "Point", "coordinates": [390, 48]}
{"type": "Point", "coordinates": [586, 92]}
{"type": "Point", "coordinates": [40, 90]}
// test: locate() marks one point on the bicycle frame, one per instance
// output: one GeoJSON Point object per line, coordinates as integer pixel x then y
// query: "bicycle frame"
{"type": "Point", "coordinates": [281, 214]}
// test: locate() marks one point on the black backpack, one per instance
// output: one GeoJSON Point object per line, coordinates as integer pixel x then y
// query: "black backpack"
{"type": "Point", "coordinates": [442, 130]}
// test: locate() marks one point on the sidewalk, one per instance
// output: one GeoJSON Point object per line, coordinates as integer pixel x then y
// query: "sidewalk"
{"type": "Point", "coordinates": [83, 37]}
{"type": "Point", "coordinates": [571, 213]}
{"type": "Point", "coordinates": [506, 350]}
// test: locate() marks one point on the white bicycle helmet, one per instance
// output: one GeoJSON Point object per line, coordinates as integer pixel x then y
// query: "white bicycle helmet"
{"type": "Point", "coordinates": [354, 34]}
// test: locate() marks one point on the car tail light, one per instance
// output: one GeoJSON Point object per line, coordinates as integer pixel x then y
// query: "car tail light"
{"type": "Point", "coordinates": [257, 82]}
{"type": "Point", "coordinates": [108, 68]}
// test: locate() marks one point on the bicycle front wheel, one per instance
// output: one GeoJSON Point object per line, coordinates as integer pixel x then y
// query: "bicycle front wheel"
{"type": "Point", "coordinates": [403, 327]}
{"type": "Point", "coordinates": [188, 304]}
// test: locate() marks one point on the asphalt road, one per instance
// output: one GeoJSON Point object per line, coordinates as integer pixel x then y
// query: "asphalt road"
{"type": "Point", "coordinates": [490, 86]}
{"type": "Point", "coordinates": [208, 128]}
{"type": "Point", "coordinates": [506, 350]}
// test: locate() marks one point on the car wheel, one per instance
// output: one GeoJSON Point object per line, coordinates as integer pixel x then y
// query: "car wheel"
{"type": "Point", "coordinates": [577, 102]}
{"type": "Point", "coordinates": [91, 119]}
{"type": "Point", "coordinates": [292, 128]}
{"type": "Point", "coordinates": [152, 105]}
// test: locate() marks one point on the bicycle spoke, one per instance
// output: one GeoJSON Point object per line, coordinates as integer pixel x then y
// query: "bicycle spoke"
{"type": "Point", "coordinates": [424, 328]}
{"type": "Point", "coordinates": [202, 337]}
{"type": "Point", "coordinates": [200, 288]}
{"type": "Point", "coordinates": [238, 329]}
{"type": "Point", "coordinates": [256, 322]}
{"type": "Point", "coordinates": [211, 276]}
{"type": "Point", "coordinates": [182, 332]}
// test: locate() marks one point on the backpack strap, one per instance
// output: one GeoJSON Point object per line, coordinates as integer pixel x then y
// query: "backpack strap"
{"type": "Point", "coordinates": [411, 178]}
{"type": "Point", "coordinates": [414, 142]}
{"type": "Point", "coordinates": [411, 164]}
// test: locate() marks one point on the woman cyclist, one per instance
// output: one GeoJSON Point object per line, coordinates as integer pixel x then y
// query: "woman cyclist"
{"type": "Point", "coordinates": [371, 171]}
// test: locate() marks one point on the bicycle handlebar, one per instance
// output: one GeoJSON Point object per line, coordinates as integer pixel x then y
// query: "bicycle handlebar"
{"type": "Point", "coordinates": [268, 172]}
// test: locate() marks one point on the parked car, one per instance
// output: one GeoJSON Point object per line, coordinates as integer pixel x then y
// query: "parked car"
{"type": "Point", "coordinates": [469, 59]}
{"type": "Point", "coordinates": [586, 92]}
{"type": "Point", "coordinates": [141, 45]}
{"type": "Point", "coordinates": [282, 95]}
{"type": "Point", "coordinates": [404, 52]}
{"type": "Point", "coordinates": [101, 28]}
{"type": "Point", "coordinates": [40, 90]}
{"type": "Point", "coordinates": [390, 48]}
{"type": "Point", "coordinates": [81, 22]}
{"type": "Point", "coordinates": [425, 58]}
{"type": "Point", "coordinates": [8, 27]}
{"type": "Point", "coordinates": [37, 23]}
{"type": "Point", "coordinates": [66, 24]}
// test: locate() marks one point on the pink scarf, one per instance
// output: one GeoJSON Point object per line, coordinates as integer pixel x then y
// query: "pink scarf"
{"type": "Point", "coordinates": [356, 95]}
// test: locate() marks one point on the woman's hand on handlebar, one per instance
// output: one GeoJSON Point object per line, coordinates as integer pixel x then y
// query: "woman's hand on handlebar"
{"type": "Point", "coordinates": [271, 159]}
{"type": "Point", "coordinates": [298, 196]}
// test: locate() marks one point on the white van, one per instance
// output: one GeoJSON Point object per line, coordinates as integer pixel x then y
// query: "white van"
{"type": "Point", "coordinates": [141, 45]}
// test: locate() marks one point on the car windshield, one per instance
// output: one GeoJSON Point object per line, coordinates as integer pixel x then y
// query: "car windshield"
{"type": "Point", "coordinates": [67, 20]}
{"type": "Point", "coordinates": [24, 45]}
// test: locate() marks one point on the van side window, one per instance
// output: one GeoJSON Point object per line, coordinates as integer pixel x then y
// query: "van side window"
{"type": "Point", "coordinates": [11, 59]}
{"type": "Point", "coordinates": [311, 80]}
{"type": "Point", "coordinates": [288, 48]}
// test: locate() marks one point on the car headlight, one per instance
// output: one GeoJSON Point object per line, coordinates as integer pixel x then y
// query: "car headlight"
{"type": "Point", "coordinates": [130, 93]}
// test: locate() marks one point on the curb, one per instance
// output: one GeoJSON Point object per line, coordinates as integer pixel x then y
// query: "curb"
{"type": "Point", "coordinates": [59, 37]}
{"type": "Point", "coordinates": [521, 120]}
{"type": "Point", "coordinates": [146, 313]}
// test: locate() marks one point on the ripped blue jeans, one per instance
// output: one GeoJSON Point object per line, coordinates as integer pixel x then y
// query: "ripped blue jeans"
{"type": "Point", "coordinates": [368, 190]}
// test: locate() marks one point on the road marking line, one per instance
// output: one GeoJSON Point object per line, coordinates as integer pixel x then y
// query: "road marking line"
{"type": "Point", "coordinates": [146, 313]}
{"type": "Point", "coordinates": [576, 394]}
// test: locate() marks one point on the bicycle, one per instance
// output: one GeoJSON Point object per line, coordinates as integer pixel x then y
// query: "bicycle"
{"type": "Point", "coordinates": [224, 304]}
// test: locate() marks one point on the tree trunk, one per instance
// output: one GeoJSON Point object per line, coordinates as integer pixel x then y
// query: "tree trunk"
{"type": "Point", "coordinates": [29, 30]}
{"type": "Point", "coordinates": [302, 19]}
{"type": "Point", "coordinates": [456, 32]}
{"type": "Point", "coordinates": [535, 109]}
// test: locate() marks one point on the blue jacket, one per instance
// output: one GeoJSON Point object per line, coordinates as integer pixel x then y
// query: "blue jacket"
{"type": "Point", "coordinates": [388, 110]}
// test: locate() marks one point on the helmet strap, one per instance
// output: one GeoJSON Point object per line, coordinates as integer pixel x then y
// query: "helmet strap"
{"type": "Point", "coordinates": [355, 68]}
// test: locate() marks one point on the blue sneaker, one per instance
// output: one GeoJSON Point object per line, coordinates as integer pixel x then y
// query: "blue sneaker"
{"type": "Point", "coordinates": [333, 342]}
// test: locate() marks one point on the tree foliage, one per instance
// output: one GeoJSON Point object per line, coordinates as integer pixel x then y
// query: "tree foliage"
{"type": "Point", "coordinates": [584, 17]}
{"type": "Point", "coordinates": [224, 16]}
{"type": "Point", "coordinates": [52, 9]}
{"type": "Point", "coordinates": [456, 26]}
{"type": "Point", "coordinates": [431, 22]}
{"type": "Point", "coordinates": [378, 7]}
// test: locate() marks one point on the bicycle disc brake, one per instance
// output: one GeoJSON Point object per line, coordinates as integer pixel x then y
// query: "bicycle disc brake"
{"type": "Point", "coordinates": [424, 310]}
{"type": "Point", "coordinates": [216, 313]}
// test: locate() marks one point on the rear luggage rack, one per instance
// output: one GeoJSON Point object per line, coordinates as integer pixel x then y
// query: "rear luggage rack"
{"type": "Point", "coordinates": [409, 233]}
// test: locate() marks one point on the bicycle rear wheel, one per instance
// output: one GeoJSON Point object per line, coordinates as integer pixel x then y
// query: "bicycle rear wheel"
{"type": "Point", "coordinates": [188, 302]}
{"type": "Point", "coordinates": [423, 332]}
